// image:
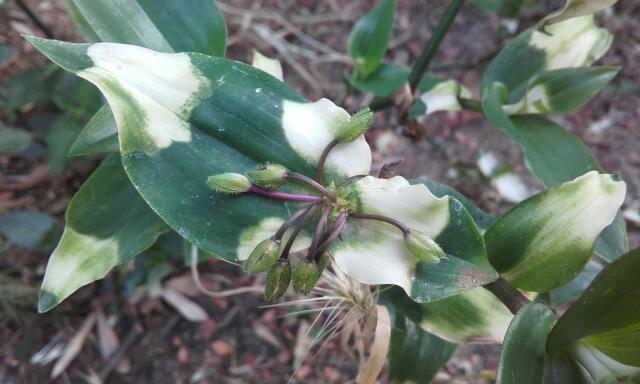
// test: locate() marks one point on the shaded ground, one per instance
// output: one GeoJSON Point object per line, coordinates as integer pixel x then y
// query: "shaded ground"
{"type": "Point", "coordinates": [242, 343]}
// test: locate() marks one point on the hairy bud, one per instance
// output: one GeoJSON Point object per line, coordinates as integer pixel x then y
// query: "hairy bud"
{"type": "Point", "coordinates": [229, 183]}
{"type": "Point", "coordinates": [355, 126]}
{"type": "Point", "coordinates": [278, 280]}
{"type": "Point", "coordinates": [263, 256]}
{"type": "Point", "coordinates": [305, 276]}
{"type": "Point", "coordinates": [269, 176]}
{"type": "Point", "coordinates": [423, 248]}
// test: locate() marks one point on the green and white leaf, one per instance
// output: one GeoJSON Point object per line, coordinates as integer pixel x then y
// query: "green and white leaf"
{"type": "Point", "coordinates": [415, 356]}
{"type": "Point", "coordinates": [443, 96]}
{"type": "Point", "coordinates": [184, 117]}
{"type": "Point", "coordinates": [562, 90]}
{"type": "Point", "coordinates": [161, 25]}
{"type": "Point", "coordinates": [264, 63]}
{"type": "Point", "coordinates": [370, 36]}
{"type": "Point", "coordinates": [474, 315]}
{"type": "Point", "coordinates": [621, 344]}
{"type": "Point", "coordinates": [523, 354]}
{"type": "Point", "coordinates": [574, 43]}
{"type": "Point", "coordinates": [107, 224]}
{"type": "Point", "coordinates": [545, 145]}
{"type": "Point", "coordinates": [98, 136]}
{"type": "Point", "coordinates": [597, 367]}
{"type": "Point", "coordinates": [576, 8]}
{"type": "Point", "coordinates": [375, 253]}
{"type": "Point", "coordinates": [545, 241]}
{"type": "Point", "coordinates": [605, 310]}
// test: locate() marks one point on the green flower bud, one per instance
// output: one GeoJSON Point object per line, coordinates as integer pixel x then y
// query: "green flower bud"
{"type": "Point", "coordinates": [355, 126]}
{"type": "Point", "coordinates": [263, 256]}
{"type": "Point", "coordinates": [229, 183]}
{"type": "Point", "coordinates": [423, 248]}
{"type": "Point", "coordinates": [305, 276]}
{"type": "Point", "coordinates": [269, 176]}
{"type": "Point", "coordinates": [278, 280]}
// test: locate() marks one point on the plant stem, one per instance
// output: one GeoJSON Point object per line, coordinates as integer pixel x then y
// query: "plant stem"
{"type": "Point", "coordinates": [363, 216]}
{"type": "Point", "coordinates": [431, 48]}
{"type": "Point", "coordinates": [508, 295]}
{"type": "Point", "coordinates": [303, 221]}
{"type": "Point", "coordinates": [314, 184]}
{"type": "Point", "coordinates": [428, 52]}
{"type": "Point", "coordinates": [284, 195]}
{"type": "Point", "coordinates": [323, 159]}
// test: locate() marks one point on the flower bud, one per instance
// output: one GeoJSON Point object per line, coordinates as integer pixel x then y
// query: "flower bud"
{"type": "Point", "coordinates": [355, 126]}
{"type": "Point", "coordinates": [278, 280]}
{"type": "Point", "coordinates": [263, 256]}
{"type": "Point", "coordinates": [229, 183]}
{"type": "Point", "coordinates": [269, 176]}
{"type": "Point", "coordinates": [305, 276]}
{"type": "Point", "coordinates": [423, 248]}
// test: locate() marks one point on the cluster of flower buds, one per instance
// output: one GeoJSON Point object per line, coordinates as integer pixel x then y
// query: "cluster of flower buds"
{"type": "Point", "coordinates": [330, 207]}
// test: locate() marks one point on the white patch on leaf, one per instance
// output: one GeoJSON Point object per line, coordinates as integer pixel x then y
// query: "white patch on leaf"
{"type": "Point", "coordinates": [310, 127]}
{"type": "Point", "coordinates": [576, 42]}
{"type": "Point", "coordinates": [376, 253]}
{"type": "Point", "coordinates": [267, 64]}
{"type": "Point", "coordinates": [413, 205]}
{"type": "Point", "coordinates": [162, 85]}
{"type": "Point", "coordinates": [252, 236]}
{"type": "Point", "coordinates": [376, 256]}
{"type": "Point", "coordinates": [444, 97]}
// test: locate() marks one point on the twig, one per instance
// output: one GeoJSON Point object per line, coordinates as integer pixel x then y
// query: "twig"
{"type": "Point", "coordinates": [229, 292]}
{"type": "Point", "coordinates": [47, 32]}
{"type": "Point", "coordinates": [428, 52]}
{"type": "Point", "coordinates": [281, 46]}
{"type": "Point", "coordinates": [274, 16]}
{"type": "Point", "coordinates": [115, 358]}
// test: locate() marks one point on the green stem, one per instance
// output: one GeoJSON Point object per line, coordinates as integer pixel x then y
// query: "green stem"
{"type": "Point", "coordinates": [508, 295]}
{"type": "Point", "coordinates": [428, 52]}
{"type": "Point", "coordinates": [470, 104]}
{"type": "Point", "coordinates": [431, 48]}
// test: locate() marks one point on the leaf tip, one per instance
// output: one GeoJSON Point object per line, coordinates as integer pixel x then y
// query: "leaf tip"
{"type": "Point", "coordinates": [47, 301]}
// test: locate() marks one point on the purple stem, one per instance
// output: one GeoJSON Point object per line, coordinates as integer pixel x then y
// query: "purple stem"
{"type": "Point", "coordinates": [283, 195]}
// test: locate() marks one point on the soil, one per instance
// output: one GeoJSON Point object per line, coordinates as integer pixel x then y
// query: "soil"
{"type": "Point", "coordinates": [242, 342]}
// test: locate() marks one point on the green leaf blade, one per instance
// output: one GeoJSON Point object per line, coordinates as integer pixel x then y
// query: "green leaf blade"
{"type": "Point", "coordinates": [605, 307]}
{"type": "Point", "coordinates": [415, 355]}
{"type": "Point", "coordinates": [383, 81]}
{"type": "Point", "coordinates": [522, 359]}
{"type": "Point", "coordinates": [100, 135]}
{"type": "Point", "coordinates": [369, 38]}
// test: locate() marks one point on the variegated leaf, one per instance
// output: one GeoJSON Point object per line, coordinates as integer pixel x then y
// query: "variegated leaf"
{"type": "Point", "coordinates": [375, 253]}
{"type": "Point", "coordinates": [546, 240]}
{"type": "Point", "coordinates": [183, 117]}
{"type": "Point", "coordinates": [107, 224]}
{"type": "Point", "coordinates": [562, 90]}
{"type": "Point", "coordinates": [475, 315]}
{"type": "Point", "coordinates": [573, 43]}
